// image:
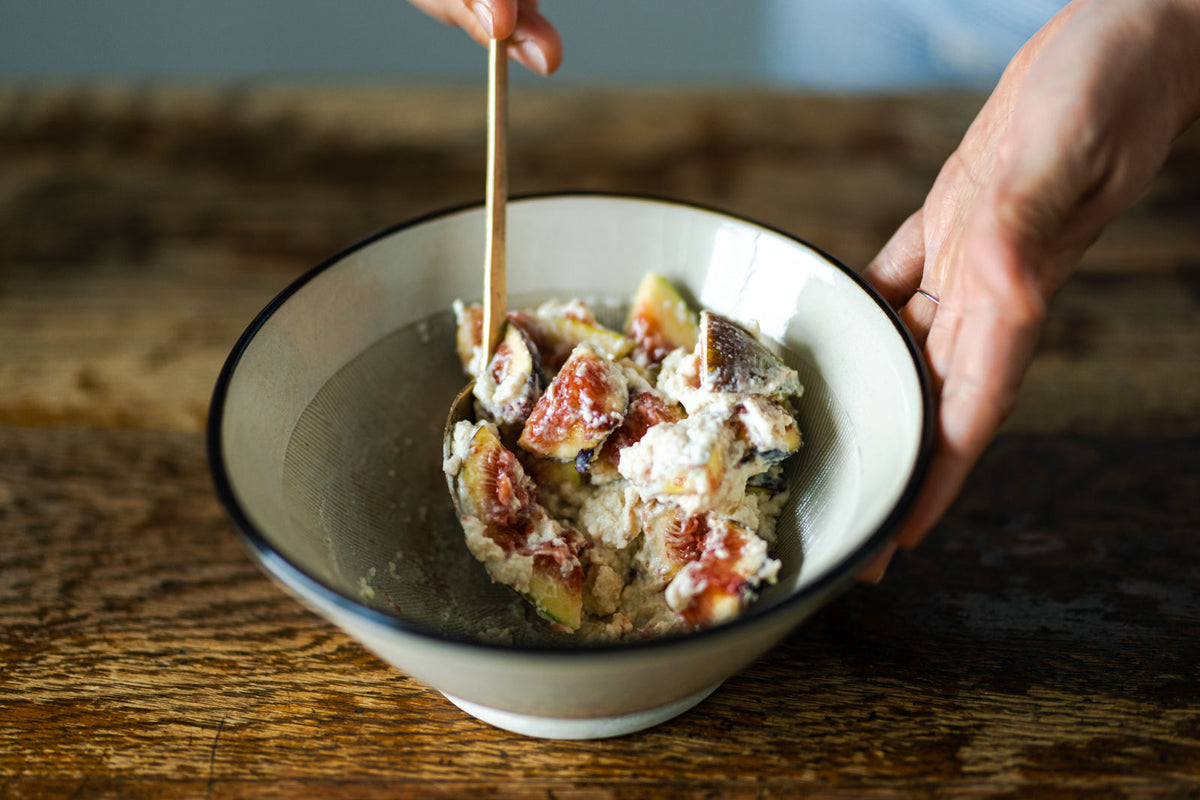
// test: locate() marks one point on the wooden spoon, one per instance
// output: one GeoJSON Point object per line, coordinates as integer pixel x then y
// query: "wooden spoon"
{"type": "Point", "coordinates": [495, 289]}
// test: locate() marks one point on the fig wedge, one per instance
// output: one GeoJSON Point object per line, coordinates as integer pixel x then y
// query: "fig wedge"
{"type": "Point", "coordinates": [671, 539]}
{"type": "Point", "coordinates": [508, 531]}
{"type": "Point", "coordinates": [722, 581]}
{"type": "Point", "coordinates": [549, 472]}
{"type": "Point", "coordinates": [556, 585]}
{"type": "Point", "coordinates": [768, 429]}
{"type": "Point", "coordinates": [558, 329]}
{"type": "Point", "coordinates": [488, 482]}
{"type": "Point", "coordinates": [584, 403]}
{"type": "Point", "coordinates": [513, 381]}
{"type": "Point", "coordinates": [771, 482]}
{"type": "Point", "coordinates": [660, 321]}
{"type": "Point", "coordinates": [468, 334]}
{"type": "Point", "coordinates": [734, 360]}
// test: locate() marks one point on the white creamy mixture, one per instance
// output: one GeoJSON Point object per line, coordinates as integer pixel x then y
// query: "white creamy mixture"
{"type": "Point", "coordinates": [669, 533]}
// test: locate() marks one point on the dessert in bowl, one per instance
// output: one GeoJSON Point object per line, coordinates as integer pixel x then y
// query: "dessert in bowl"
{"type": "Point", "coordinates": [627, 484]}
{"type": "Point", "coordinates": [325, 440]}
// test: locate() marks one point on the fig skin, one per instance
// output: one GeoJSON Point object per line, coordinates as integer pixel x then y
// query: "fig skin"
{"type": "Point", "coordinates": [771, 482]}
{"type": "Point", "coordinates": [513, 381]}
{"type": "Point", "coordinates": [545, 471]}
{"type": "Point", "coordinates": [556, 587]}
{"type": "Point", "coordinates": [733, 360]}
{"type": "Point", "coordinates": [660, 321]}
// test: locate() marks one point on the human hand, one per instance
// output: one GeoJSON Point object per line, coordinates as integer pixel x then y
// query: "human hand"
{"type": "Point", "coordinates": [533, 41]}
{"type": "Point", "coordinates": [1077, 126]}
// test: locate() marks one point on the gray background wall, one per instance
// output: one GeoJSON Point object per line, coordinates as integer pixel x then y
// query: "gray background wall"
{"type": "Point", "coordinates": [609, 40]}
{"type": "Point", "coordinates": [838, 44]}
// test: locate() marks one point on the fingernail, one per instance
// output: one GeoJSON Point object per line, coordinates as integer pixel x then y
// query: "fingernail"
{"type": "Point", "coordinates": [884, 560]}
{"type": "Point", "coordinates": [531, 56]}
{"type": "Point", "coordinates": [484, 14]}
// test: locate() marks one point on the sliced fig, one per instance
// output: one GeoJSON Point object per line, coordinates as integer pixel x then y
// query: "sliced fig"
{"type": "Point", "coordinates": [513, 381]}
{"type": "Point", "coordinates": [468, 334]}
{"type": "Point", "coordinates": [506, 528]}
{"type": "Point", "coordinates": [556, 584]}
{"type": "Point", "coordinates": [768, 429]}
{"type": "Point", "coordinates": [718, 585]}
{"type": "Point", "coordinates": [557, 329]}
{"type": "Point", "coordinates": [734, 360]}
{"type": "Point", "coordinates": [584, 403]}
{"type": "Point", "coordinates": [491, 484]}
{"type": "Point", "coordinates": [659, 321]}
{"type": "Point", "coordinates": [559, 484]}
{"type": "Point", "coordinates": [575, 309]}
{"type": "Point", "coordinates": [671, 540]}
{"type": "Point", "coordinates": [647, 408]}
{"type": "Point", "coordinates": [770, 482]}
{"type": "Point", "coordinates": [546, 472]}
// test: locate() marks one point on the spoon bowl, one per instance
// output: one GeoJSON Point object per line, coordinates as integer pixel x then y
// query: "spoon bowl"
{"type": "Point", "coordinates": [462, 409]}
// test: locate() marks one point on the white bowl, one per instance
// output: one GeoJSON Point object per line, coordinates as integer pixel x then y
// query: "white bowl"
{"type": "Point", "coordinates": [325, 444]}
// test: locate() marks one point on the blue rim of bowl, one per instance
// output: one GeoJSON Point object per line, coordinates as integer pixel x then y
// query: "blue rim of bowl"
{"type": "Point", "coordinates": [279, 567]}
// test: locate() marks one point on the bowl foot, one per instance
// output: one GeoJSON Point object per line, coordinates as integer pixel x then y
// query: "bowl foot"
{"type": "Point", "coordinates": [585, 728]}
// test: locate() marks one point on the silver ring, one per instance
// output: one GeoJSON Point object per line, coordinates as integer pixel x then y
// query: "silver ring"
{"type": "Point", "coordinates": [926, 294]}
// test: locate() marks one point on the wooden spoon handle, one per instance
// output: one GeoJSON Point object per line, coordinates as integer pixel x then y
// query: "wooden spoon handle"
{"type": "Point", "coordinates": [495, 288]}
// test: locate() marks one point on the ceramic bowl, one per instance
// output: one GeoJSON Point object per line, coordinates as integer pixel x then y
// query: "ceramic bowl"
{"type": "Point", "coordinates": [326, 426]}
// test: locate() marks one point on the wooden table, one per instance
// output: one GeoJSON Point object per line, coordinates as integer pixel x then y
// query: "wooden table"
{"type": "Point", "coordinates": [1045, 639]}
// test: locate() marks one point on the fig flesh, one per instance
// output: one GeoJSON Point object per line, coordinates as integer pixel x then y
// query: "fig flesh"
{"type": "Point", "coordinates": [659, 321]}
{"type": "Point", "coordinates": [584, 403]}
{"type": "Point", "coordinates": [718, 585]}
{"type": "Point", "coordinates": [506, 528]}
{"type": "Point", "coordinates": [671, 539]}
{"type": "Point", "coordinates": [557, 329]}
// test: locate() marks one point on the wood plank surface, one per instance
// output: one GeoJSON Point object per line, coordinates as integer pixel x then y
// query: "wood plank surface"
{"type": "Point", "coordinates": [1045, 640]}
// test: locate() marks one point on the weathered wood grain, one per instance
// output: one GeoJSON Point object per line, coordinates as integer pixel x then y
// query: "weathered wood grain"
{"type": "Point", "coordinates": [140, 230]}
{"type": "Point", "coordinates": [1044, 641]}
{"type": "Point", "coordinates": [1045, 636]}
